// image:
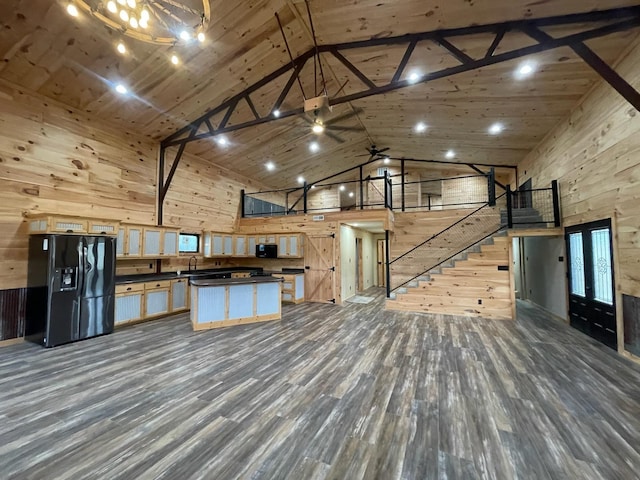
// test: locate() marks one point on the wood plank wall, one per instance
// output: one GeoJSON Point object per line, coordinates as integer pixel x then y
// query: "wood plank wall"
{"type": "Point", "coordinates": [595, 156]}
{"type": "Point", "coordinates": [53, 159]}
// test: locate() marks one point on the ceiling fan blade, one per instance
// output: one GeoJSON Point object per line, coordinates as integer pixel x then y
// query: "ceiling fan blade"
{"type": "Point", "coordinates": [339, 128]}
{"type": "Point", "coordinates": [334, 137]}
{"type": "Point", "coordinates": [344, 116]}
{"type": "Point", "coordinates": [306, 118]}
{"type": "Point", "coordinates": [382, 150]}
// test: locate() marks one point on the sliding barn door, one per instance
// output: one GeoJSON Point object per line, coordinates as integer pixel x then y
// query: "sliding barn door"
{"type": "Point", "coordinates": [591, 286]}
{"type": "Point", "coordinates": [320, 269]}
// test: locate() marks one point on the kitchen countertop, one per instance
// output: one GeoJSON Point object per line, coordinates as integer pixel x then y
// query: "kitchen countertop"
{"type": "Point", "coordinates": [154, 277]}
{"type": "Point", "coordinates": [216, 282]}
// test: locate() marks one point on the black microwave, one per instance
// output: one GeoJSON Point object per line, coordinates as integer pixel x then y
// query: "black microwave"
{"type": "Point", "coordinates": [265, 250]}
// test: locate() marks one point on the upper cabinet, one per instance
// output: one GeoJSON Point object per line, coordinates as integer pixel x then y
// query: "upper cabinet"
{"type": "Point", "coordinates": [170, 246]}
{"type": "Point", "coordinates": [73, 225]}
{"type": "Point", "coordinates": [228, 245]}
{"type": "Point", "coordinates": [139, 241]}
{"type": "Point", "coordinates": [152, 243]}
{"type": "Point", "coordinates": [290, 246]}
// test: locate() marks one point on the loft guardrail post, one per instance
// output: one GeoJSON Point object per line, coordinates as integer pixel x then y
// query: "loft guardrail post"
{"type": "Point", "coordinates": [390, 191]}
{"type": "Point", "coordinates": [509, 208]}
{"type": "Point", "coordinates": [242, 203]}
{"type": "Point", "coordinates": [386, 192]}
{"type": "Point", "coordinates": [387, 247]}
{"type": "Point", "coordinates": [402, 176]}
{"type": "Point", "coordinates": [304, 195]}
{"type": "Point", "coordinates": [491, 179]}
{"type": "Point", "coordinates": [286, 203]}
{"type": "Point", "coordinates": [556, 203]}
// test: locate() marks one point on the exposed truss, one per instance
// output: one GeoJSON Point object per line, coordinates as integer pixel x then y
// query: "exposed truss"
{"type": "Point", "coordinates": [600, 24]}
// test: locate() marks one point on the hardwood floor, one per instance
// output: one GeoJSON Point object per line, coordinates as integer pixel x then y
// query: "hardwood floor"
{"type": "Point", "coordinates": [329, 392]}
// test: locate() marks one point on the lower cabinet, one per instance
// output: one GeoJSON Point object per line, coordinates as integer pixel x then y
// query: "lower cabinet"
{"type": "Point", "coordinates": [156, 299]}
{"type": "Point", "coordinates": [293, 288]}
{"type": "Point", "coordinates": [129, 303]}
{"type": "Point", "coordinates": [179, 295]}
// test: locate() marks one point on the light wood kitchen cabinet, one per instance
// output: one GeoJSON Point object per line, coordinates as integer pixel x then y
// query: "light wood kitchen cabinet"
{"type": "Point", "coordinates": [179, 294]}
{"type": "Point", "coordinates": [152, 242]}
{"type": "Point", "coordinates": [266, 238]}
{"type": "Point", "coordinates": [170, 247]}
{"type": "Point", "coordinates": [222, 245]}
{"type": "Point", "coordinates": [292, 287]}
{"type": "Point", "coordinates": [239, 246]}
{"type": "Point", "coordinates": [129, 241]}
{"type": "Point", "coordinates": [207, 244]}
{"type": "Point", "coordinates": [290, 246]}
{"type": "Point", "coordinates": [129, 303]}
{"type": "Point", "coordinates": [251, 246]}
{"type": "Point", "coordinates": [47, 223]}
{"type": "Point", "coordinates": [156, 298]}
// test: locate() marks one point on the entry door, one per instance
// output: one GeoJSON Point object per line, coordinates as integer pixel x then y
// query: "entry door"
{"type": "Point", "coordinates": [382, 277]}
{"type": "Point", "coordinates": [591, 286]}
{"type": "Point", "coordinates": [319, 278]}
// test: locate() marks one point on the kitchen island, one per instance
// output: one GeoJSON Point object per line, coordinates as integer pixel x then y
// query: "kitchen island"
{"type": "Point", "coordinates": [223, 302]}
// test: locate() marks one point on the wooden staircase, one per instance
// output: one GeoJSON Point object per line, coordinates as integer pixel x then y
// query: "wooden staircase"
{"type": "Point", "coordinates": [476, 284]}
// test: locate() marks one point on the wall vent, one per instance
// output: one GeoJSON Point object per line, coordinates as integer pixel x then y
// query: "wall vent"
{"type": "Point", "coordinates": [318, 218]}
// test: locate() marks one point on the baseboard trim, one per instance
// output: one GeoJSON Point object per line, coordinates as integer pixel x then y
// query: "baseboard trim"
{"type": "Point", "coordinates": [12, 341]}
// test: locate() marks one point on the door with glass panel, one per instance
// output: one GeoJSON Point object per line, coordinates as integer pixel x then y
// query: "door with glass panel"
{"type": "Point", "coordinates": [591, 287]}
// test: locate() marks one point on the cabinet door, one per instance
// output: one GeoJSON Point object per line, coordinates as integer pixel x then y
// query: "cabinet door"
{"type": "Point", "coordinates": [228, 245]}
{"type": "Point", "coordinates": [293, 246]}
{"type": "Point", "coordinates": [156, 302]}
{"type": "Point", "coordinates": [299, 287]}
{"type": "Point", "coordinates": [283, 246]}
{"type": "Point", "coordinates": [152, 242]}
{"type": "Point", "coordinates": [128, 307]}
{"type": "Point", "coordinates": [207, 244]}
{"type": "Point", "coordinates": [170, 244]}
{"type": "Point", "coordinates": [178, 295]}
{"type": "Point", "coordinates": [134, 240]}
{"type": "Point", "coordinates": [251, 246]}
{"type": "Point", "coordinates": [120, 242]}
{"type": "Point", "coordinates": [240, 245]}
{"type": "Point", "coordinates": [217, 244]}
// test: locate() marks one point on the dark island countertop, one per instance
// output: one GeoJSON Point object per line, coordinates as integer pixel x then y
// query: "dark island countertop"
{"type": "Point", "coordinates": [216, 282]}
{"type": "Point", "coordinates": [211, 272]}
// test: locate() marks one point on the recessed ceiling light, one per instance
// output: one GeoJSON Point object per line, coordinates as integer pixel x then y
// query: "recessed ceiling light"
{"type": "Point", "coordinates": [201, 37]}
{"type": "Point", "coordinates": [222, 141]}
{"type": "Point", "coordinates": [314, 147]}
{"type": "Point", "coordinates": [317, 128]}
{"type": "Point", "coordinates": [300, 179]}
{"type": "Point", "coordinates": [450, 154]}
{"type": "Point", "coordinates": [387, 160]}
{"type": "Point", "coordinates": [133, 21]}
{"type": "Point", "coordinates": [121, 89]}
{"type": "Point", "coordinates": [112, 7]}
{"type": "Point", "coordinates": [342, 188]}
{"type": "Point", "coordinates": [122, 48]}
{"type": "Point", "coordinates": [184, 35]}
{"type": "Point", "coordinates": [351, 194]}
{"type": "Point", "coordinates": [525, 70]}
{"type": "Point", "coordinates": [414, 77]}
{"type": "Point", "coordinates": [270, 166]}
{"type": "Point", "coordinates": [72, 10]}
{"type": "Point", "coordinates": [175, 60]}
{"type": "Point", "coordinates": [313, 186]}
{"type": "Point", "coordinates": [124, 15]}
{"type": "Point", "coordinates": [420, 127]}
{"type": "Point", "coordinates": [496, 129]}
{"type": "Point", "coordinates": [276, 113]}
{"type": "Point", "coordinates": [131, 3]}
{"type": "Point", "coordinates": [144, 22]}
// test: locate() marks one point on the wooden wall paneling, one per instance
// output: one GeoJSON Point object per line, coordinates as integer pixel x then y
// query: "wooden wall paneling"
{"type": "Point", "coordinates": [593, 155]}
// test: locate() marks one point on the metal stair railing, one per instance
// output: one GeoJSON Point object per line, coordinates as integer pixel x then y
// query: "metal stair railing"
{"type": "Point", "coordinates": [446, 244]}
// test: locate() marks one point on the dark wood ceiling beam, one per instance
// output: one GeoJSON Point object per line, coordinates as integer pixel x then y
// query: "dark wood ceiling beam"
{"type": "Point", "coordinates": [453, 50]}
{"type": "Point", "coordinates": [363, 78]}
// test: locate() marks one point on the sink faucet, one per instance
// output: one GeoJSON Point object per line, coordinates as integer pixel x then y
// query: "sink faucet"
{"type": "Point", "coordinates": [195, 263]}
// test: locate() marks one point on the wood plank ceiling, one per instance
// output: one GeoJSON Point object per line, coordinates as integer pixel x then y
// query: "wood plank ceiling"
{"type": "Point", "coordinates": [74, 62]}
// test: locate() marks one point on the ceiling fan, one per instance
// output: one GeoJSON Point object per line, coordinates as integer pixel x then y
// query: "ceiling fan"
{"type": "Point", "coordinates": [318, 108]}
{"type": "Point", "coordinates": [376, 154]}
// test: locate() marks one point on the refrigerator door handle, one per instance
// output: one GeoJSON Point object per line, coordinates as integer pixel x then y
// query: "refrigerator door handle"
{"type": "Point", "coordinates": [81, 259]}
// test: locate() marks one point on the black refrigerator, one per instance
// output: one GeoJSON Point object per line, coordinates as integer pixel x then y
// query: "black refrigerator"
{"type": "Point", "coordinates": [70, 288]}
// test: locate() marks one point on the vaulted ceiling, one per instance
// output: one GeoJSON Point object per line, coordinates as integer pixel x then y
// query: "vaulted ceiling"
{"type": "Point", "coordinates": [74, 61]}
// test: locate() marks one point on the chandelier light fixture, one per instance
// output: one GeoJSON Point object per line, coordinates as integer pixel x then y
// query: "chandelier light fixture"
{"type": "Point", "coordinates": [162, 22]}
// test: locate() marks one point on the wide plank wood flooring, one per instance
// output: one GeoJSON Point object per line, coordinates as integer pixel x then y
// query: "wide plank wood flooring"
{"type": "Point", "coordinates": [329, 392]}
